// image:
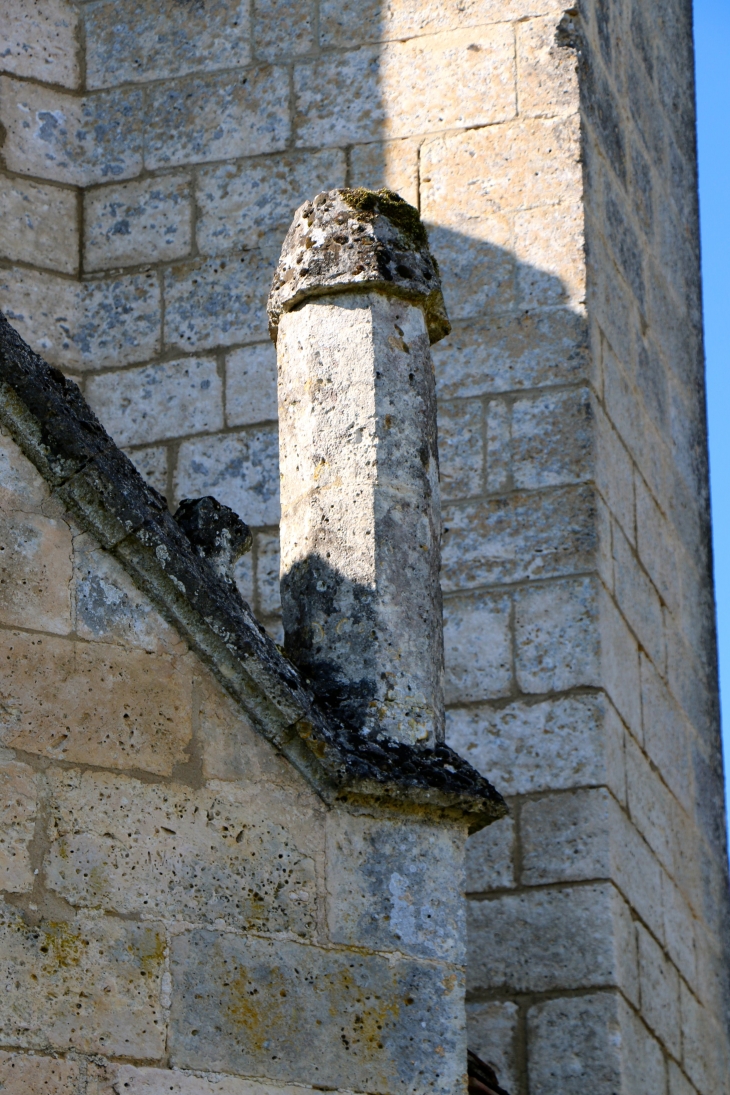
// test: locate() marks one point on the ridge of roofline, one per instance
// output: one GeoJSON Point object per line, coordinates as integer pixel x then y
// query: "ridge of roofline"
{"type": "Point", "coordinates": [53, 425]}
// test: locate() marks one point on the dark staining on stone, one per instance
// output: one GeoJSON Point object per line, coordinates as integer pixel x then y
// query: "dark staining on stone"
{"type": "Point", "coordinates": [358, 240]}
{"type": "Point", "coordinates": [216, 532]}
{"type": "Point", "coordinates": [49, 419]}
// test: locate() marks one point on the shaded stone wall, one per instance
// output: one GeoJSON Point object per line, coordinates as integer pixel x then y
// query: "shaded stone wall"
{"type": "Point", "coordinates": [173, 895]}
{"type": "Point", "coordinates": [552, 156]}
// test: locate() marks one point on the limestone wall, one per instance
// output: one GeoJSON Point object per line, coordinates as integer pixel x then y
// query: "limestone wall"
{"type": "Point", "coordinates": [552, 156]}
{"type": "Point", "coordinates": [173, 894]}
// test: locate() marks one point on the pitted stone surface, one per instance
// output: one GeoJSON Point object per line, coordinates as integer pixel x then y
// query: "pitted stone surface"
{"type": "Point", "coordinates": [358, 239]}
{"type": "Point", "coordinates": [216, 532]}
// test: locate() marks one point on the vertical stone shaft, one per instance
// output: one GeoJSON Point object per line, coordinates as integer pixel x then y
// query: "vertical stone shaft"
{"type": "Point", "coordinates": [355, 304]}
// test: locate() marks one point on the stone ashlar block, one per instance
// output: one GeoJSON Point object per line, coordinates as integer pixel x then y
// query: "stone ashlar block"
{"type": "Point", "coordinates": [557, 636]}
{"type": "Point", "coordinates": [461, 448]}
{"type": "Point", "coordinates": [151, 463]}
{"type": "Point", "coordinates": [667, 734]}
{"type": "Point", "coordinates": [39, 225]}
{"type": "Point", "coordinates": [678, 1082]}
{"type": "Point", "coordinates": [35, 572]}
{"type": "Point", "coordinates": [492, 1034]}
{"type": "Point", "coordinates": [547, 77]}
{"type": "Point", "coordinates": [251, 385]}
{"type": "Point", "coordinates": [283, 29]}
{"type": "Point", "coordinates": [501, 168]}
{"type": "Point", "coordinates": [240, 469]}
{"type": "Point", "coordinates": [499, 446]}
{"type": "Point", "coordinates": [21, 486]}
{"type": "Point", "coordinates": [552, 439]}
{"type": "Point", "coordinates": [567, 837]}
{"type": "Point", "coordinates": [344, 22]}
{"type": "Point", "coordinates": [677, 928]}
{"type": "Point", "coordinates": [225, 855]}
{"type": "Point", "coordinates": [620, 664]}
{"type": "Point", "coordinates": [575, 1045]}
{"type": "Point", "coordinates": [638, 600]}
{"type": "Point", "coordinates": [162, 1081]}
{"type": "Point", "coordinates": [242, 205]}
{"type": "Point", "coordinates": [518, 537]}
{"type": "Point", "coordinates": [393, 164]}
{"type": "Point", "coordinates": [94, 703]}
{"type": "Point", "coordinates": [217, 303]}
{"type": "Point", "coordinates": [57, 136]}
{"type": "Point", "coordinates": [477, 647]}
{"type": "Point", "coordinates": [531, 747]}
{"type": "Point", "coordinates": [21, 1073]}
{"type": "Point", "coordinates": [511, 352]}
{"type": "Point", "coordinates": [704, 1046]}
{"type": "Point", "coordinates": [39, 41]}
{"type": "Point", "coordinates": [157, 402]}
{"type": "Point", "coordinates": [144, 41]}
{"type": "Point", "coordinates": [218, 117]}
{"type": "Point", "coordinates": [101, 982]}
{"type": "Point", "coordinates": [490, 859]}
{"type": "Point", "coordinates": [252, 1006]}
{"type": "Point", "coordinates": [546, 940]}
{"type": "Point", "coordinates": [478, 271]}
{"type": "Point", "coordinates": [447, 81]}
{"type": "Point", "coordinates": [18, 804]}
{"type": "Point", "coordinates": [659, 991]}
{"type": "Point", "coordinates": [138, 222]}
{"type": "Point", "coordinates": [110, 609]}
{"type": "Point", "coordinates": [550, 248]}
{"type": "Point", "coordinates": [614, 472]}
{"type": "Point", "coordinates": [268, 595]}
{"type": "Point", "coordinates": [396, 886]}
{"type": "Point", "coordinates": [91, 325]}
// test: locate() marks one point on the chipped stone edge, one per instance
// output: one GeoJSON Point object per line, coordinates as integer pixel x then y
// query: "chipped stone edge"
{"type": "Point", "coordinates": [53, 425]}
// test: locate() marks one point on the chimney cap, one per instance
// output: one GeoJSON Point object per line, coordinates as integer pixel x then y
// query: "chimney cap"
{"type": "Point", "coordinates": [358, 240]}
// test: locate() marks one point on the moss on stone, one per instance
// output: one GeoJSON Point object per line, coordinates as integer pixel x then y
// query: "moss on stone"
{"type": "Point", "coordinates": [403, 216]}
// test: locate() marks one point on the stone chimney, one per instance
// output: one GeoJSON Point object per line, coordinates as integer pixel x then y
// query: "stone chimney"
{"type": "Point", "coordinates": [355, 303]}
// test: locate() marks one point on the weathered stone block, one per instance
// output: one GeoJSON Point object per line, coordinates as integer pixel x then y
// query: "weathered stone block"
{"type": "Point", "coordinates": [556, 639]}
{"type": "Point", "coordinates": [343, 22]}
{"type": "Point", "coordinates": [552, 439]}
{"type": "Point", "coordinates": [511, 352]}
{"type": "Point", "coordinates": [638, 600]}
{"type": "Point", "coordinates": [21, 486]}
{"type": "Point", "coordinates": [101, 978]}
{"type": "Point", "coordinates": [35, 572]}
{"type": "Point", "coordinates": [18, 801]}
{"type": "Point", "coordinates": [139, 222]}
{"type": "Point", "coordinates": [527, 747]}
{"type": "Point", "coordinates": [268, 595]}
{"type": "Point", "coordinates": [549, 246]}
{"type": "Point", "coordinates": [575, 1045]}
{"type": "Point", "coordinates": [159, 401]}
{"type": "Point", "coordinates": [393, 164]}
{"type": "Point", "coordinates": [440, 82]}
{"type": "Point", "coordinates": [110, 609]}
{"type": "Point", "coordinates": [161, 1081]}
{"type": "Point", "coordinates": [545, 940]}
{"type": "Point", "coordinates": [216, 117]}
{"type": "Point", "coordinates": [704, 1047]}
{"type": "Point", "coordinates": [244, 205]}
{"type": "Point", "coordinates": [492, 1035]}
{"type": "Point", "coordinates": [22, 1073]}
{"type": "Point", "coordinates": [614, 473]}
{"type": "Point", "coordinates": [251, 385]}
{"type": "Point", "coordinates": [94, 703]}
{"type": "Point", "coordinates": [77, 141]}
{"type": "Point", "coordinates": [39, 41]}
{"type": "Point", "coordinates": [518, 537]}
{"type": "Point", "coordinates": [678, 1082]}
{"type": "Point", "coordinates": [151, 463]}
{"type": "Point", "coordinates": [547, 77]}
{"type": "Point", "coordinates": [469, 176]}
{"type": "Point", "coordinates": [90, 325]}
{"type": "Point", "coordinates": [490, 858]}
{"type": "Point", "coordinates": [217, 303]}
{"type": "Point", "coordinates": [239, 857]}
{"type": "Point", "coordinates": [145, 41]}
{"type": "Point", "coordinates": [657, 547]}
{"type": "Point", "coordinates": [252, 1006]}
{"type": "Point", "coordinates": [659, 991]}
{"type": "Point", "coordinates": [499, 446]}
{"type": "Point", "coordinates": [478, 268]}
{"type": "Point", "coordinates": [283, 29]}
{"type": "Point", "coordinates": [677, 927]}
{"type": "Point", "coordinates": [477, 647]}
{"type": "Point", "coordinates": [658, 816]}
{"type": "Point", "coordinates": [666, 733]}
{"type": "Point", "coordinates": [395, 886]}
{"type": "Point", "coordinates": [39, 224]}
{"type": "Point", "coordinates": [567, 837]}
{"type": "Point", "coordinates": [620, 664]}
{"type": "Point", "coordinates": [461, 449]}
{"type": "Point", "coordinates": [240, 470]}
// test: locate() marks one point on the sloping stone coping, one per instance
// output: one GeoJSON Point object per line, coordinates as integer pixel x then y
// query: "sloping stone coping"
{"type": "Point", "coordinates": [51, 422]}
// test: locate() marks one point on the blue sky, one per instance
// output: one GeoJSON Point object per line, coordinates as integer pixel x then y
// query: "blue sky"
{"type": "Point", "coordinates": [712, 45]}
